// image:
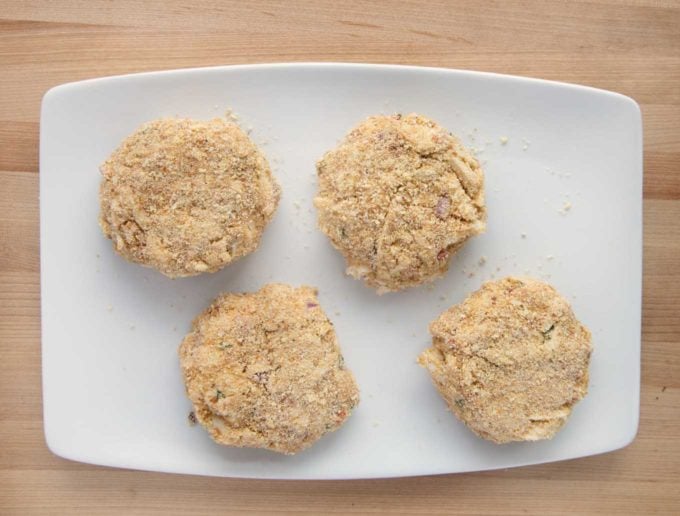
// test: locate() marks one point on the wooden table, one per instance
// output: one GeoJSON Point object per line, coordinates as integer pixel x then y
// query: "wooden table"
{"type": "Point", "coordinates": [632, 47]}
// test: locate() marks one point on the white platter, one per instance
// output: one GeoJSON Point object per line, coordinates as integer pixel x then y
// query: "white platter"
{"type": "Point", "coordinates": [112, 389]}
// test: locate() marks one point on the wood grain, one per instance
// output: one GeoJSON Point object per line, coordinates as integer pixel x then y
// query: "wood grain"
{"type": "Point", "coordinates": [628, 46]}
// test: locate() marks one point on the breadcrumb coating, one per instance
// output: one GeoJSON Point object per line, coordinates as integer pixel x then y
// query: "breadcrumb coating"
{"type": "Point", "coordinates": [398, 197]}
{"type": "Point", "coordinates": [511, 360]}
{"type": "Point", "coordinates": [264, 370]}
{"type": "Point", "coordinates": [186, 196]}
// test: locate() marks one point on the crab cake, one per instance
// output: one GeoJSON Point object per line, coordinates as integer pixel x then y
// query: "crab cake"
{"type": "Point", "coordinates": [511, 360]}
{"type": "Point", "coordinates": [264, 370]}
{"type": "Point", "coordinates": [186, 196]}
{"type": "Point", "coordinates": [398, 197]}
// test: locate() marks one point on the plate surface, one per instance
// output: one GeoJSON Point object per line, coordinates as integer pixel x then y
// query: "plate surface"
{"type": "Point", "coordinates": [564, 196]}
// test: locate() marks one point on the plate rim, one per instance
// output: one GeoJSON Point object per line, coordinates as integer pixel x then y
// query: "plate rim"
{"type": "Point", "coordinates": [339, 65]}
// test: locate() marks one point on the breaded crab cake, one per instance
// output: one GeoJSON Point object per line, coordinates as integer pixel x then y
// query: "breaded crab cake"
{"type": "Point", "coordinates": [398, 197]}
{"type": "Point", "coordinates": [511, 360]}
{"type": "Point", "coordinates": [264, 370]}
{"type": "Point", "coordinates": [186, 196]}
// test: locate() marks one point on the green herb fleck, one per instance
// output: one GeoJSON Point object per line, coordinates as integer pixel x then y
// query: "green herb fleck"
{"type": "Point", "coordinates": [224, 345]}
{"type": "Point", "coordinates": [219, 394]}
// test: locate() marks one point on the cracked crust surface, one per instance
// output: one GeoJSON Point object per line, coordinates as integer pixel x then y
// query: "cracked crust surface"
{"type": "Point", "coordinates": [511, 360]}
{"type": "Point", "coordinates": [264, 370]}
{"type": "Point", "coordinates": [398, 197]}
{"type": "Point", "coordinates": [186, 196]}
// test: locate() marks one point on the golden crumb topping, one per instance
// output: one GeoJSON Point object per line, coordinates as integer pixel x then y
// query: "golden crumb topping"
{"type": "Point", "coordinates": [264, 370]}
{"type": "Point", "coordinates": [186, 196]}
{"type": "Point", "coordinates": [511, 360]}
{"type": "Point", "coordinates": [398, 197]}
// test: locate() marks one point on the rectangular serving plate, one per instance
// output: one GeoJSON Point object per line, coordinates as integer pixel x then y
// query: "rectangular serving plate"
{"type": "Point", "coordinates": [563, 168]}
